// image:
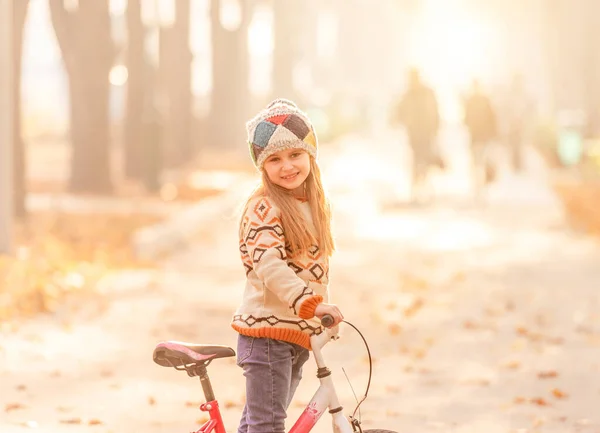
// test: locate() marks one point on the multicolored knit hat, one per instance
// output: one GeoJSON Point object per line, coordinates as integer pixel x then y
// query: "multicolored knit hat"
{"type": "Point", "coordinates": [280, 126]}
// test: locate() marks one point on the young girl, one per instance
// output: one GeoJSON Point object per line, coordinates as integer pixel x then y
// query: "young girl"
{"type": "Point", "coordinates": [285, 244]}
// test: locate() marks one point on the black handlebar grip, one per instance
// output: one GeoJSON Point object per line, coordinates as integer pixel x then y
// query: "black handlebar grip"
{"type": "Point", "coordinates": [327, 320]}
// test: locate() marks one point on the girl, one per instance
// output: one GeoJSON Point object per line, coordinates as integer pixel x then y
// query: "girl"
{"type": "Point", "coordinates": [285, 244]}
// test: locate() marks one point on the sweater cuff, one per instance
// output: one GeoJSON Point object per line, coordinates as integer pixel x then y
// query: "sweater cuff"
{"type": "Point", "coordinates": [307, 309]}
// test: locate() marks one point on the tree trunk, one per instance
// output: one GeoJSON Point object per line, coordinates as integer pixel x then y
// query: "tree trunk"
{"type": "Point", "coordinates": [87, 48]}
{"type": "Point", "coordinates": [19, 16]}
{"type": "Point", "coordinates": [176, 62]}
{"type": "Point", "coordinates": [135, 91]}
{"type": "Point", "coordinates": [230, 94]}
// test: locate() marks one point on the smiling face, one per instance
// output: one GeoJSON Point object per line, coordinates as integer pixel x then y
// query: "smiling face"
{"type": "Point", "coordinates": [288, 169]}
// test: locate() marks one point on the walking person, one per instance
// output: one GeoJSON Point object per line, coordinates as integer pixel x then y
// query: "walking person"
{"type": "Point", "coordinates": [418, 112]}
{"type": "Point", "coordinates": [480, 121]}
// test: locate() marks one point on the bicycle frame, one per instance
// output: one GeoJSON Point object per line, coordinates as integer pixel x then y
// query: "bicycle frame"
{"type": "Point", "coordinates": [325, 397]}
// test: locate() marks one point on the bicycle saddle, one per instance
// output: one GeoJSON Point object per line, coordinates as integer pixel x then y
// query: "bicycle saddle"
{"type": "Point", "coordinates": [177, 353]}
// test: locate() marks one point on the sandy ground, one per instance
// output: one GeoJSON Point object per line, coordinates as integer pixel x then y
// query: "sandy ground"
{"type": "Point", "coordinates": [480, 319]}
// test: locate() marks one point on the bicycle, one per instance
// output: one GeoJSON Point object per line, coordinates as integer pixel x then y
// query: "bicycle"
{"type": "Point", "coordinates": [194, 358]}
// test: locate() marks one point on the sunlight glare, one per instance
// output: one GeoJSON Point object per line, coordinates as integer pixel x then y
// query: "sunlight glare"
{"type": "Point", "coordinates": [327, 32]}
{"type": "Point", "coordinates": [158, 13]}
{"type": "Point", "coordinates": [118, 7]}
{"type": "Point", "coordinates": [260, 33]}
{"type": "Point", "coordinates": [71, 5]}
{"type": "Point", "coordinates": [260, 45]}
{"type": "Point", "coordinates": [451, 45]}
{"type": "Point", "coordinates": [230, 14]}
{"type": "Point", "coordinates": [118, 75]}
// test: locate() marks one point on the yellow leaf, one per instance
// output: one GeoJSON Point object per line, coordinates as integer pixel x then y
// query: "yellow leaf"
{"type": "Point", "coordinates": [558, 393]}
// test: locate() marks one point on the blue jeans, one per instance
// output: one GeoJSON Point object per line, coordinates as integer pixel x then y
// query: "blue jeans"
{"type": "Point", "coordinates": [273, 370]}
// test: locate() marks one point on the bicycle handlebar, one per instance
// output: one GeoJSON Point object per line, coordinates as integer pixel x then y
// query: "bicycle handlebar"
{"type": "Point", "coordinates": [327, 320]}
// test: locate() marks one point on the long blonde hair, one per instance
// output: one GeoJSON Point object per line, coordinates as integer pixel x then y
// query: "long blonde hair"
{"type": "Point", "coordinates": [298, 236]}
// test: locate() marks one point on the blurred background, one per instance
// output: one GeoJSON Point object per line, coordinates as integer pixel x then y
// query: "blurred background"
{"type": "Point", "coordinates": [443, 125]}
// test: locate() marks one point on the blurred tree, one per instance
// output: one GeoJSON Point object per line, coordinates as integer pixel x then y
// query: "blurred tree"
{"type": "Point", "coordinates": [287, 30]}
{"type": "Point", "coordinates": [19, 15]}
{"type": "Point", "coordinates": [176, 64]}
{"type": "Point", "coordinates": [230, 93]}
{"type": "Point", "coordinates": [135, 91]}
{"type": "Point", "coordinates": [84, 37]}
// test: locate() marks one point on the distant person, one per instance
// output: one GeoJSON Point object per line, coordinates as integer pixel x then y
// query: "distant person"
{"type": "Point", "coordinates": [517, 116]}
{"type": "Point", "coordinates": [418, 112]}
{"type": "Point", "coordinates": [480, 121]}
{"type": "Point", "coordinates": [285, 245]}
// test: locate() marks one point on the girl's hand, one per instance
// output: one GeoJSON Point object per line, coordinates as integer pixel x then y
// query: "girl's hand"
{"type": "Point", "coordinates": [331, 309]}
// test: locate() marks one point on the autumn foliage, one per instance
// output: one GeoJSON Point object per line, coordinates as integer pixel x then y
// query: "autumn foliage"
{"type": "Point", "coordinates": [581, 201]}
{"type": "Point", "coordinates": [58, 254]}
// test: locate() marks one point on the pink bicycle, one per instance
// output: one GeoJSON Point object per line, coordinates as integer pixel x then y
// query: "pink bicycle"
{"type": "Point", "coordinates": [194, 358]}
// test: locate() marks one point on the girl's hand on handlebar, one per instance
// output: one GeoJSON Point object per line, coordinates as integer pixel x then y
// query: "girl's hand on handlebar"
{"type": "Point", "coordinates": [331, 309]}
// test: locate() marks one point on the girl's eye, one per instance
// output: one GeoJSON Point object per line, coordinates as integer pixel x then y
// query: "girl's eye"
{"type": "Point", "coordinates": [273, 159]}
{"type": "Point", "coordinates": [295, 154]}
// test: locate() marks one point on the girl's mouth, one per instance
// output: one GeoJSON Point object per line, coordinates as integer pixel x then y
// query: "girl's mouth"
{"type": "Point", "coordinates": [290, 177]}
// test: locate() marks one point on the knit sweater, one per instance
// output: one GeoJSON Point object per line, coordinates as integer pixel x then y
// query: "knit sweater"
{"type": "Point", "coordinates": [281, 291]}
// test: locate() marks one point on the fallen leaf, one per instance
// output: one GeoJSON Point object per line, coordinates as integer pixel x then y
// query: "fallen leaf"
{"type": "Point", "coordinates": [538, 422]}
{"type": "Point", "coordinates": [476, 382]}
{"type": "Point", "coordinates": [394, 329]}
{"type": "Point", "coordinates": [558, 393]}
{"type": "Point", "coordinates": [71, 421]}
{"type": "Point", "coordinates": [106, 373]}
{"type": "Point", "coordinates": [467, 324]}
{"type": "Point", "coordinates": [192, 404]}
{"type": "Point", "coordinates": [512, 365]}
{"type": "Point", "coordinates": [412, 309]}
{"type": "Point", "coordinates": [13, 406]}
{"type": "Point", "coordinates": [64, 409]}
{"type": "Point", "coordinates": [459, 276]}
{"type": "Point", "coordinates": [519, 400]}
{"type": "Point", "coordinates": [228, 404]}
{"type": "Point", "coordinates": [547, 374]}
{"type": "Point", "coordinates": [540, 401]}
{"type": "Point", "coordinates": [151, 401]}
{"type": "Point", "coordinates": [202, 420]}
{"type": "Point", "coordinates": [21, 388]}
{"type": "Point", "coordinates": [420, 353]}
{"type": "Point", "coordinates": [94, 421]}
{"type": "Point", "coordinates": [522, 330]}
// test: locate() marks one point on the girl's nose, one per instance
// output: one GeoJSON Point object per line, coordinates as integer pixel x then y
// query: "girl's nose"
{"type": "Point", "coordinates": [287, 164]}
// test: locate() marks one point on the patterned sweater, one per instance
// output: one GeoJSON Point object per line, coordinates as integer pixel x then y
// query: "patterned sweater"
{"type": "Point", "coordinates": [281, 292]}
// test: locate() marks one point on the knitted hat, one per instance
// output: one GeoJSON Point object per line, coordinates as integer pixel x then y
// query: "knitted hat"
{"type": "Point", "coordinates": [280, 126]}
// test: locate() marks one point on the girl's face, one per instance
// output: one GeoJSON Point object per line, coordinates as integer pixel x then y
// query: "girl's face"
{"type": "Point", "coordinates": [288, 169]}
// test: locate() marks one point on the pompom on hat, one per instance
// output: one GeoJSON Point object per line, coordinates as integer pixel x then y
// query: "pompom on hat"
{"type": "Point", "coordinates": [281, 125]}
